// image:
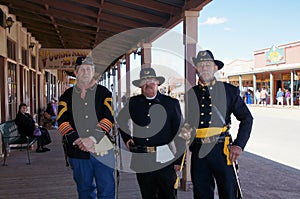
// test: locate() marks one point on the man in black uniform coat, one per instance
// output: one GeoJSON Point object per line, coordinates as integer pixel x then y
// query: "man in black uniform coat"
{"type": "Point", "coordinates": [209, 107]}
{"type": "Point", "coordinates": [85, 119]}
{"type": "Point", "coordinates": [156, 121]}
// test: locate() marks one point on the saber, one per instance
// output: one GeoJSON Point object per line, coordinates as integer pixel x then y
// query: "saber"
{"type": "Point", "coordinates": [115, 134]}
{"type": "Point", "coordinates": [180, 170]}
{"type": "Point", "coordinates": [239, 191]}
{"type": "Point", "coordinates": [187, 137]}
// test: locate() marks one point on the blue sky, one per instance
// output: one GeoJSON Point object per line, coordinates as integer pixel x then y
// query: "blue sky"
{"type": "Point", "coordinates": [234, 29]}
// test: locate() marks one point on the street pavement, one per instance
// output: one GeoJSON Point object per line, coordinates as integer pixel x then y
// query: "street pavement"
{"type": "Point", "coordinates": [269, 167]}
{"type": "Point", "coordinates": [275, 134]}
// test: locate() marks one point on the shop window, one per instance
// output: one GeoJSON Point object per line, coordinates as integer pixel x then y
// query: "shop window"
{"type": "Point", "coordinates": [12, 90]}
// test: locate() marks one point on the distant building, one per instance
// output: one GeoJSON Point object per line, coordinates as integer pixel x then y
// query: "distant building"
{"type": "Point", "coordinates": [272, 68]}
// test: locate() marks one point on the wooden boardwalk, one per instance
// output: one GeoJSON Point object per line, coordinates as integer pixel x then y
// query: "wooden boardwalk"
{"type": "Point", "coordinates": [48, 177]}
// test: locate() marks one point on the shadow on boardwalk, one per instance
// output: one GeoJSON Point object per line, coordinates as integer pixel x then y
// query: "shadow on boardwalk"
{"type": "Point", "coordinates": [47, 177]}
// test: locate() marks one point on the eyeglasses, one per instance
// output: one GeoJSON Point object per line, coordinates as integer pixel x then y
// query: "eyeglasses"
{"type": "Point", "coordinates": [148, 81]}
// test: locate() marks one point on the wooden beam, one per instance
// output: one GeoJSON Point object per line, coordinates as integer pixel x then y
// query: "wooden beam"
{"type": "Point", "coordinates": [21, 14]}
{"type": "Point", "coordinates": [111, 27]}
{"type": "Point", "coordinates": [126, 22]}
{"type": "Point", "coordinates": [37, 28]}
{"type": "Point", "coordinates": [195, 4]}
{"type": "Point", "coordinates": [92, 3]}
{"type": "Point", "coordinates": [76, 27]}
{"type": "Point", "coordinates": [131, 13]}
{"type": "Point", "coordinates": [70, 8]}
{"type": "Point", "coordinates": [155, 5]}
{"type": "Point", "coordinates": [75, 18]}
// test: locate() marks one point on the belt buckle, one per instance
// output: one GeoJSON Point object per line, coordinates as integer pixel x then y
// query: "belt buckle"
{"type": "Point", "coordinates": [150, 149]}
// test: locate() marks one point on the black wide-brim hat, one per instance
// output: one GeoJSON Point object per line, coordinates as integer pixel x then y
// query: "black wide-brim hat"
{"type": "Point", "coordinates": [206, 55]}
{"type": "Point", "coordinates": [84, 60]}
{"type": "Point", "coordinates": [147, 73]}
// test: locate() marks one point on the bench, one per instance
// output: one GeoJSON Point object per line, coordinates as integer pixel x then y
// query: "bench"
{"type": "Point", "coordinates": [10, 136]}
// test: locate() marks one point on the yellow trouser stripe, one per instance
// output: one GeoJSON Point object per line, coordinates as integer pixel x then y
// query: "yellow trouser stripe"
{"type": "Point", "coordinates": [208, 132]}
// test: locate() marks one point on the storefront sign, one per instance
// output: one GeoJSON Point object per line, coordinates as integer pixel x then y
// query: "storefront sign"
{"type": "Point", "coordinates": [60, 58]}
{"type": "Point", "coordinates": [275, 56]}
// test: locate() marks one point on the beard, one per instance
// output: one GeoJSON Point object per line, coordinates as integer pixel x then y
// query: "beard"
{"type": "Point", "coordinates": [206, 77]}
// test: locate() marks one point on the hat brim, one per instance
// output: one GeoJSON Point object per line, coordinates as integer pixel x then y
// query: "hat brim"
{"type": "Point", "coordinates": [137, 82]}
{"type": "Point", "coordinates": [220, 64]}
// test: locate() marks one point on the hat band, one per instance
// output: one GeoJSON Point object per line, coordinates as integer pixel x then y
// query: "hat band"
{"type": "Point", "coordinates": [206, 59]}
{"type": "Point", "coordinates": [150, 76]}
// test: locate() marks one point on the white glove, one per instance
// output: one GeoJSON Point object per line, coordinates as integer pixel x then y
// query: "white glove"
{"type": "Point", "coordinates": [103, 146]}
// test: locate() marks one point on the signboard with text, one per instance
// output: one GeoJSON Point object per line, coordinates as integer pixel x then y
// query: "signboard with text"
{"type": "Point", "coordinates": [275, 56]}
{"type": "Point", "coordinates": [60, 58]}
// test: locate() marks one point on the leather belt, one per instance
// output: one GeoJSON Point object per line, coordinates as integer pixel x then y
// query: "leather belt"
{"type": "Point", "coordinates": [142, 149]}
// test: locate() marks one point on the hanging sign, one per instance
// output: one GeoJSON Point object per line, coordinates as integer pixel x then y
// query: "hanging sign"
{"type": "Point", "coordinates": [275, 56]}
{"type": "Point", "coordinates": [60, 58]}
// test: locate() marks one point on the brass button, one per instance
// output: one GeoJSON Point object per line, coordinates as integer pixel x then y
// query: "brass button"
{"type": "Point", "coordinates": [85, 103]}
{"type": "Point", "coordinates": [202, 113]}
{"type": "Point", "coordinates": [210, 113]}
{"type": "Point", "coordinates": [86, 116]}
{"type": "Point", "coordinates": [202, 105]}
{"type": "Point", "coordinates": [201, 122]}
{"type": "Point", "coordinates": [87, 130]}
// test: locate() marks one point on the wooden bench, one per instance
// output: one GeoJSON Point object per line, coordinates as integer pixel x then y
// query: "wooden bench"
{"type": "Point", "coordinates": [10, 136]}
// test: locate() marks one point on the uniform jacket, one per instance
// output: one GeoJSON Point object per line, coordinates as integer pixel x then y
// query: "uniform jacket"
{"type": "Point", "coordinates": [201, 112]}
{"type": "Point", "coordinates": [154, 122]}
{"type": "Point", "coordinates": [86, 117]}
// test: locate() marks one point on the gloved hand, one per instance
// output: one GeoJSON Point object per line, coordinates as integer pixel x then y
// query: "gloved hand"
{"type": "Point", "coordinates": [103, 146]}
{"type": "Point", "coordinates": [186, 131]}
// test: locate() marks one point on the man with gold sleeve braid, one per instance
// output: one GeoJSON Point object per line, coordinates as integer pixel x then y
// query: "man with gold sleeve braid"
{"type": "Point", "coordinates": [214, 153]}
{"type": "Point", "coordinates": [85, 118]}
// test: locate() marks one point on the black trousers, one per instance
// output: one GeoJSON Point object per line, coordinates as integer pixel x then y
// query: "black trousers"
{"type": "Point", "coordinates": [208, 164]}
{"type": "Point", "coordinates": [158, 184]}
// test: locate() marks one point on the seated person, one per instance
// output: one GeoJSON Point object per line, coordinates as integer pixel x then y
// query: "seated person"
{"type": "Point", "coordinates": [27, 125]}
{"type": "Point", "coordinates": [52, 111]}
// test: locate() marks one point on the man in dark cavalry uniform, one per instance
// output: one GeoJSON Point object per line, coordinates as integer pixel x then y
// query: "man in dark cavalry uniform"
{"type": "Point", "coordinates": [214, 153]}
{"type": "Point", "coordinates": [85, 118]}
{"type": "Point", "coordinates": [156, 121]}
